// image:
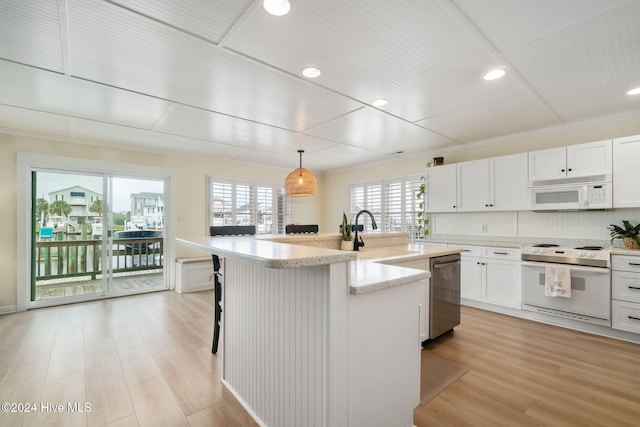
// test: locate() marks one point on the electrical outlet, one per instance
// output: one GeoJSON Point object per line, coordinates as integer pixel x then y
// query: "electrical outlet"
{"type": "Point", "coordinates": [182, 218]}
{"type": "Point", "coordinates": [484, 228]}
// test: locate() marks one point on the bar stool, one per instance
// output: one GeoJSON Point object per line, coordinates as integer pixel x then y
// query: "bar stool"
{"type": "Point", "coordinates": [223, 230]}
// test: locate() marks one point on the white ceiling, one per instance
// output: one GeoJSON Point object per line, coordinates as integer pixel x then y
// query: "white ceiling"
{"type": "Point", "coordinates": [222, 78]}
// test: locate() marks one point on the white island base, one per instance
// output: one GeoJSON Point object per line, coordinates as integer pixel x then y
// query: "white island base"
{"type": "Point", "coordinates": [299, 350]}
{"type": "Point", "coordinates": [314, 337]}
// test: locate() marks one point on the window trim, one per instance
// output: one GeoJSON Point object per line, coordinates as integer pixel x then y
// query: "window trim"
{"type": "Point", "coordinates": [277, 189]}
{"type": "Point", "coordinates": [383, 215]}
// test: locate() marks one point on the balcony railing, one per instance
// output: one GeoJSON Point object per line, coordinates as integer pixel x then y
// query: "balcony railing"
{"type": "Point", "coordinates": [75, 258]}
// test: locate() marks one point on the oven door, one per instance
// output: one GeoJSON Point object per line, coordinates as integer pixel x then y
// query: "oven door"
{"type": "Point", "coordinates": [590, 293]}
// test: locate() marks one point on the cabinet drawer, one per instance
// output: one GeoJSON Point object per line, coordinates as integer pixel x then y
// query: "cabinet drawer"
{"type": "Point", "coordinates": [468, 250]}
{"type": "Point", "coordinates": [625, 286]}
{"type": "Point", "coordinates": [501, 253]}
{"type": "Point", "coordinates": [625, 316]}
{"type": "Point", "coordinates": [625, 262]}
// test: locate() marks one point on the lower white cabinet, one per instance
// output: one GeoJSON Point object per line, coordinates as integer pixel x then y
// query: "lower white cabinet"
{"type": "Point", "coordinates": [625, 293]}
{"type": "Point", "coordinates": [491, 275]}
{"type": "Point", "coordinates": [420, 264]}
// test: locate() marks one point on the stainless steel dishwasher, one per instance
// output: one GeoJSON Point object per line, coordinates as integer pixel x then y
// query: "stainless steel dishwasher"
{"type": "Point", "coordinates": [444, 295]}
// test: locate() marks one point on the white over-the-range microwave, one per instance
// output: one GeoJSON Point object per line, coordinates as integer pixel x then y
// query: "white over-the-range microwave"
{"type": "Point", "coordinates": [579, 193]}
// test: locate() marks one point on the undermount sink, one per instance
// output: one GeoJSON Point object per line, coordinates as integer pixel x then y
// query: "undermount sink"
{"type": "Point", "coordinates": [382, 252]}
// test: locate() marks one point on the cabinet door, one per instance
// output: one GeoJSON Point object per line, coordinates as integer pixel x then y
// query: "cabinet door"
{"type": "Point", "coordinates": [470, 278]}
{"type": "Point", "coordinates": [420, 264]}
{"type": "Point", "coordinates": [547, 164]}
{"type": "Point", "coordinates": [626, 173]}
{"type": "Point", "coordinates": [502, 283]}
{"type": "Point", "coordinates": [473, 186]}
{"type": "Point", "coordinates": [440, 189]}
{"type": "Point", "coordinates": [508, 181]}
{"type": "Point", "coordinates": [592, 158]}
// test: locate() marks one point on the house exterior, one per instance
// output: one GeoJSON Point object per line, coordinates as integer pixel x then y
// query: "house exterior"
{"type": "Point", "coordinates": [80, 199]}
{"type": "Point", "coordinates": [148, 208]}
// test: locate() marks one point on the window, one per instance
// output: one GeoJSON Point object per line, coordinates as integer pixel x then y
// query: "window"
{"type": "Point", "coordinates": [236, 202]}
{"type": "Point", "coordinates": [392, 202]}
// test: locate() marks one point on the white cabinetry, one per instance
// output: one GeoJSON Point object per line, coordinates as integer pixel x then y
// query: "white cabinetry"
{"type": "Point", "coordinates": [495, 184]}
{"type": "Point", "coordinates": [502, 277]}
{"type": "Point", "coordinates": [420, 264]}
{"type": "Point", "coordinates": [626, 173]}
{"type": "Point", "coordinates": [440, 188]}
{"type": "Point", "coordinates": [625, 292]}
{"type": "Point", "coordinates": [471, 272]}
{"type": "Point", "coordinates": [491, 275]}
{"type": "Point", "coordinates": [592, 158]}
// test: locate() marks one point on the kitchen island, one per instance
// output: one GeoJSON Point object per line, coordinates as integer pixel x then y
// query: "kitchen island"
{"type": "Point", "coordinates": [317, 337]}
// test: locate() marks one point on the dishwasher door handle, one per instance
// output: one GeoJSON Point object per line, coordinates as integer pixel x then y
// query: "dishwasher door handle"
{"type": "Point", "coordinates": [446, 264]}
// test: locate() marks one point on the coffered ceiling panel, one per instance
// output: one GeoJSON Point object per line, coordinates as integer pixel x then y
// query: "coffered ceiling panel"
{"type": "Point", "coordinates": [510, 114]}
{"type": "Point", "coordinates": [153, 142]}
{"type": "Point", "coordinates": [585, 70]}
{"type": "Point", "coordinates": [200, 124]}
{"type": "Point", "coordinates": [510, 23]}
{"type": "Point", "coordinates": [30, 33]}
{"type": "Point", "coordinates": [413, 53]}
{"type": "Point", "coordinates": [128, 51]}
{"type": "Point", "coordinates": [209, 19]}
{"type": "Point", "coordinates": [372, 130]}
{"type": "Point", "coordinates": [46, 91]}
{"type": "Point", "coordinates": [33, 122]}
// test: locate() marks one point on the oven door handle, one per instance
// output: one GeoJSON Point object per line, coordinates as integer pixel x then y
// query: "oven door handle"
{"type": "Point", "coordinates": [601, 270]}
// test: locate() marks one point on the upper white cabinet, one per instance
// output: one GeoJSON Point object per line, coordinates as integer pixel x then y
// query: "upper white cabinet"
{"type": "Point", "coordinates": [626, 172]}
{"type": "Point", "coordinates": [592, 158]}
{"type": "Point", "coordinates": [495, 184]}
{"type": "Point", "coordinates": [440, 188]}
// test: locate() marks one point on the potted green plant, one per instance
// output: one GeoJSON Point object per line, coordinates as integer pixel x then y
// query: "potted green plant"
{"type": "Point", "coordinates": [345, 232]}
{"type": "Point", "coordinates": [630, 234]}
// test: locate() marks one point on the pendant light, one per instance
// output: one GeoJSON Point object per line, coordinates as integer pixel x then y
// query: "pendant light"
{"type": "Point", "coordinates": [300, 182]}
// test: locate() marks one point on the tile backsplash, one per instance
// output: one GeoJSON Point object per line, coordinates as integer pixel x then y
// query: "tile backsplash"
{"type": "Point", "coordinates": [529, 226]}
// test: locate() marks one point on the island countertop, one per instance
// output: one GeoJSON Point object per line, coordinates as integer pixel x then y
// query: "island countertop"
{"type": "Point", "coordinates": [369, 268]}
{"type": "Point", "coordinates": [266, 253]}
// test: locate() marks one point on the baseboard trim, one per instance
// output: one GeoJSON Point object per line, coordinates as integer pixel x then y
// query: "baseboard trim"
{"type": "Point", "coordinates": [8, 309]}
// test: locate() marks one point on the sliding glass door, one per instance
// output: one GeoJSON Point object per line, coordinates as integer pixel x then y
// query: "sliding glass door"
{"type": "Point", "coordinates": [95, 235]}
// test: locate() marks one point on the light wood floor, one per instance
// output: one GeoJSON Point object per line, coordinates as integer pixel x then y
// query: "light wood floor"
{"type": "Point", "coordinates": [140, 360]}
{"type": "Point", "coordinates": [524, 373]}
{"type": "Point", "coordinates": [145, 360]}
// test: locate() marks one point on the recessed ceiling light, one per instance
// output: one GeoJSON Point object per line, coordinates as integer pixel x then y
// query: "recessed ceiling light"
{"type": "Point", "coordinates": [635, 91]}
{"type": "Point", "coordinates": [311, 72]}
{"type": "Point", "coordinates": [277, 7]}
{"type": "Point", "coordinates": [379, 102]}
{"type": "Point", "coordinates": [495, 74]}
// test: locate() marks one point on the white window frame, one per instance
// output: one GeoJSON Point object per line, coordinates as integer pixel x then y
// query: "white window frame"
{"type": "Point", "coordinates": [364, 195]}
{"type": "Point", "coordinates": [279, 219]}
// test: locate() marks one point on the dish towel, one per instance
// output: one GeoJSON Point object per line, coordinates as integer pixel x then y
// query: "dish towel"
{"type": "Point", "coordinates": [557, 281]}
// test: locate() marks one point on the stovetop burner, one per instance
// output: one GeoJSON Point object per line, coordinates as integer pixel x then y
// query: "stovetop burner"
{"type": "Point", "coordinates": [591, 248]}
{"type": "Point", "coordinates": [545, 245]}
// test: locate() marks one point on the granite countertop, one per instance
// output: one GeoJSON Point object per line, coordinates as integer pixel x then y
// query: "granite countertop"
{"type": "Point", "coordinates": [367, 276]}
{"type": "Point", "coordinates": [366, 273]}
{"type": "Point", "coordinates": [266, 253]}
{"type": "Point", "coordinates": [625, 251]}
